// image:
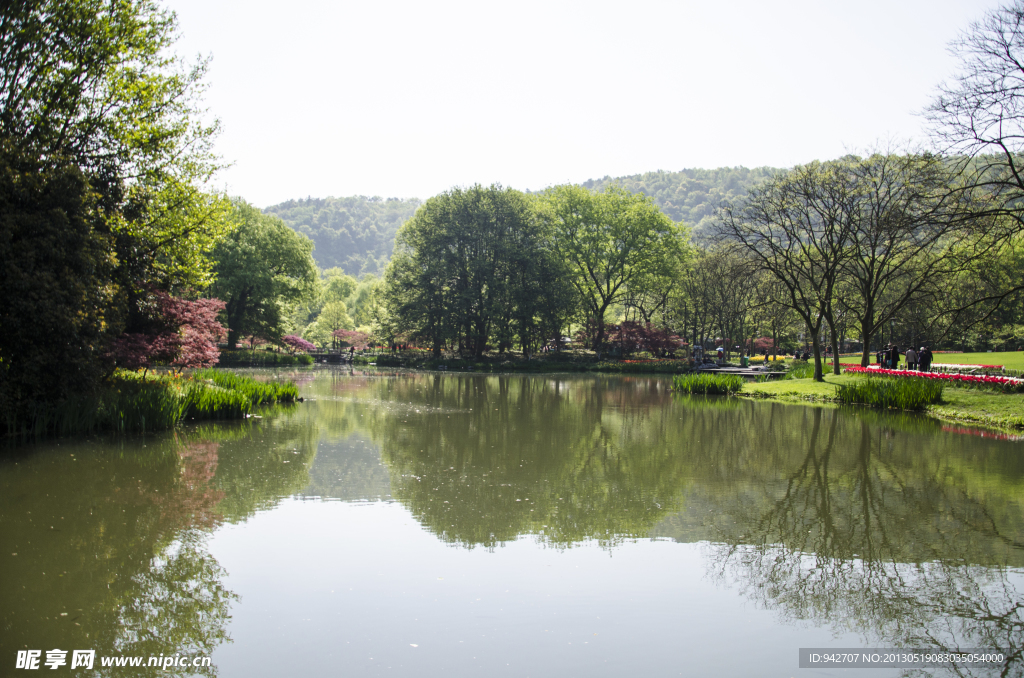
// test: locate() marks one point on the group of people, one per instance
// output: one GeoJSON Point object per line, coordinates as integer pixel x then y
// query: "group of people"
{"type": "Point", "coordinates": [919, 360]}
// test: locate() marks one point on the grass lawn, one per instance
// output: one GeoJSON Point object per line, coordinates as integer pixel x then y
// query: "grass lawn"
{"type": "Point", "coordinates": [1002, 410]}
{"type": "Point", "coordinates": [982, 406]}
{"type": "Point", "coordinates": [1011, 360]}
{"type": "Point", "coordinates": [799, 389]}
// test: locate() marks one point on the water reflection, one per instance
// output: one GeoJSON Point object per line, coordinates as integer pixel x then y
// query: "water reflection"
{"type": "Point", "coordinates": [481, 460]}
{"type": "Point", "coordinates": [883, 524]}
{"type": "Point", "coordinates": [104, 542]}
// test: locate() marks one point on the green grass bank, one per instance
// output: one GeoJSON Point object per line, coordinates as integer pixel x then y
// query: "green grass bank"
{"type": "Point", "coordinates": [973, 405]}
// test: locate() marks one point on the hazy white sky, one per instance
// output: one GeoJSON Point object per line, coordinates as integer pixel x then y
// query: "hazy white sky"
{"type": "Point", "coordinates": [407, 99]}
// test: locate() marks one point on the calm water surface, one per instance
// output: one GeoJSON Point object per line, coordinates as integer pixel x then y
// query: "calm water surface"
{"type": "Point", "coordinates": [464, 525]}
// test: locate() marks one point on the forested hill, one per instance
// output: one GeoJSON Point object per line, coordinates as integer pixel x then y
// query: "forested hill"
{"type": "Point", "coordinates": [356, 233]}
{"type": "Point", "coordinates": [689, 195]}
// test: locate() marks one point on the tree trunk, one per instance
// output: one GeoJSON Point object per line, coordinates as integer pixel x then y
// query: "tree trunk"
{"type": "Point", "coordinates": [865, 335]}
{"type": "Point", "coordinates": [834, 336]}
{"type": "Point", "coordinates": [816, 343]}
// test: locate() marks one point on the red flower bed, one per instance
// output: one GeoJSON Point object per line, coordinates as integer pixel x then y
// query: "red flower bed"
{"type": "Point", "coordinates": [1006, 383]}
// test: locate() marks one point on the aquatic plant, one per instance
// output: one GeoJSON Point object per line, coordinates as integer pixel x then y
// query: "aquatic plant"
{"type": "Point", "coordinates": [707, 384]}
{"type": "Point", "coordinates": [259, 392]}
{"type": "Point", "coordinates": [903, 394]}
{"type": "Point", "coordinates": [130, 403]}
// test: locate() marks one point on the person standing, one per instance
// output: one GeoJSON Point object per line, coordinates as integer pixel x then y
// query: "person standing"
{"type": "Point", "coordinates": [925, 359]}
{"type": "Point", "coordinates": [911, 358]}
{"type": "Point", "coordinates": [894, 357]}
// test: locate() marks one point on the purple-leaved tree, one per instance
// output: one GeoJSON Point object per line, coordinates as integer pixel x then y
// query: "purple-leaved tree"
{"type": "Point", "coordinates": [183, 333]}
{"type": "Point", "coordinates": [297, 343]}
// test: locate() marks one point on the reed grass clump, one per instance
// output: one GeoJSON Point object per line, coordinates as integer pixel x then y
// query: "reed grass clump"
{"type": "Point", "coordinates": [259, 392]}
{"type": "Point", "coordinates": [209, 401]}
{"type": "Point", "coordinates": [130, 402]}
{"type": "Point", "coordinates": [902, 393]}
{"type": "Point", "coordinates": [801, 369]}
{"type": "Point", "coordinates": [707, 384]}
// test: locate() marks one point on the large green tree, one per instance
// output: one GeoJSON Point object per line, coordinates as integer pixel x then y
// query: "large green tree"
{"type": "Point", "coordinates": [95, 84]}
{"type": "Point", "coordinates": [467, 267]}
{"type": "Point", "coordinates": [610, 242]}
{"type": "Point", "coordinates": [103, 149]}
{"type": "Point", "coordinates": [53, 304]}
{"type": "Point", "coordinates": [261, 267]}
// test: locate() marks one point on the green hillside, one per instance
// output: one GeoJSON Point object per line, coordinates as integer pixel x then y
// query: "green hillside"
{"type": "Point", "coordinates": [689, 195]}
{"type": "Point", "coordinates": [357, 233]}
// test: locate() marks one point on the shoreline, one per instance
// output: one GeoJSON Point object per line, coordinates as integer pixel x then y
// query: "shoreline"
{"type": "Point", "coordinates": [1000, 411]}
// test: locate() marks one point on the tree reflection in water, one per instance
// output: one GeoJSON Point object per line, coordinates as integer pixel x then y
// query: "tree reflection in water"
{"type": "Point", "coordinates": [864, 542]}
{"type": "Point", "coordinates": [106, 542]}
{"type": "Point", "coordinates": [874, 523]}
{"type": "Point", "coordinates": [878, 524]}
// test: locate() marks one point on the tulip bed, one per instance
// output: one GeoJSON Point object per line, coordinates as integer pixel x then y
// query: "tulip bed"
{"type": "Point", "coordinates": [964, 366]}
{"type": "Point", "coordinates": [1005, 384]}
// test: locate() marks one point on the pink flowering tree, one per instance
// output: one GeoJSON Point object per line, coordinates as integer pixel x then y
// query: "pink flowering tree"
{"type": "Point", "coordinates": [632, 336]}
{"type": "Point", "coordinates": [297, 343]}
{"type": "Point", "coordinates": [183, 333]}
{"type": "Point", "coordinates": [351, 337]}
{"type": "Point", "coordinates": [254, 339]}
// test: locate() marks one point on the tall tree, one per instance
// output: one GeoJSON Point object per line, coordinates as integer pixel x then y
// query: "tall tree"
{"type": "Point", "coordinates": [457, 275]}
{"type": "Point", "coordinates": [609, 241]}
{"type": "Point", "coordinates": [54, 305]}
{"type": "Point", "coordinates": [89, 89]}
{"type": "Point", "coordinates": [261, 267]}
{"type": "Point", "coordinates": [797, 226]}
{"type": "Point", "coordinates": [909, 232]}
{"type": "Point", "coordinates": [980, 113]}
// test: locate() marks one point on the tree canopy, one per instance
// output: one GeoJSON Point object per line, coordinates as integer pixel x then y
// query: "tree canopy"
{"type": "Point", "coordinates": [105, 163]}
{"type": "Point", "coordinates": [464, 268]}
{"type": "Point", "coordinates": [610, 242]}
{"type": "Point", "coordinates": [261, 267]}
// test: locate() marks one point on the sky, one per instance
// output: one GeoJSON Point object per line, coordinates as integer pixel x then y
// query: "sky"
{"type": "Point", "coordinates": [408, 99]}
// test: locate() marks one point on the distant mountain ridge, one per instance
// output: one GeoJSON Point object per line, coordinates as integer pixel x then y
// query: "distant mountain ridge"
{"type": "Point", "coordinates": [357, 233]}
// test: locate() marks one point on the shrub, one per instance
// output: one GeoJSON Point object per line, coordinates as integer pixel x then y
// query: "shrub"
{"type": "Point", "coordinates": [707, 384]}
{"type": "Point", "coordinates": [263, 359]}
{"type": "Point", "coordinates": [298, 343]}
{"type": "Point", "coordinates": [902, 394]}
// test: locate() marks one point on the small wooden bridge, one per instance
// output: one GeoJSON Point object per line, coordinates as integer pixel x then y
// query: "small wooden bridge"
{"type": "Point", "coordinates": [750, 372]}
{"type": "Point", "coordinates": [331, 357]}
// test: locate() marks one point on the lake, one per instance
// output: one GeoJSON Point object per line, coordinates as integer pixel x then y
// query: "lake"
{"type": "Point", "coordinates": [440, 524]}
